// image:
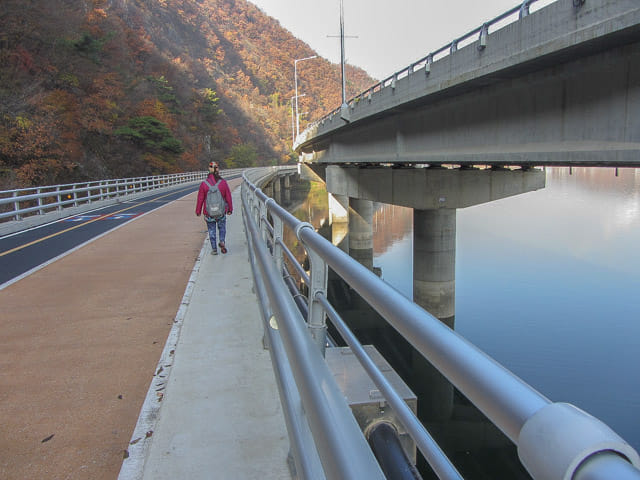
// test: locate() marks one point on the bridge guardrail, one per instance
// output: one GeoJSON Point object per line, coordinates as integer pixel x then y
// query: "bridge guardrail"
{"type": "Point", "coordinates": [23, 204]}
{"type": "Point", "coordinates": [554, 440]}
{"type": "Point", "coordinates": [480, 33]}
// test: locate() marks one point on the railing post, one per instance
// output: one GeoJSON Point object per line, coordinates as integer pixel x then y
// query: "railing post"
{"type": "Point", "coordinates": [255, 208]}
{"type": "Point", "coordinates": [16, 206]}
{"type": "Point", "coordinates": [278, 227]}
{"type": "Point", "coordinates": [59, 198]}
{"type": "Point", "coordinates": [318, 285]}
{"type": "Point", "coordinates": [262, 221]}
{"type": "Point", "coordinates": [40, 211]}
{"type": "Point", "coordinates": [427, 65]}
{"type": "Point", "coordinates": [484, 33]}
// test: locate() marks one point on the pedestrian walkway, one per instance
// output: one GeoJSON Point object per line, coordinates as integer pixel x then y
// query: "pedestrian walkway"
{"type": "Point", "coordinates": [81, 340]}
{"type": "Point", "coordinates": [213, 410]}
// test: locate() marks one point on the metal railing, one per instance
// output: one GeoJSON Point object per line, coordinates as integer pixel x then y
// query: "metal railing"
{"type": "Point", "coordinates": [554, 440]}
{"type": "Point", "coordinates": [20, 204]}
{"type": "Point", "coordinates": [424, 64]}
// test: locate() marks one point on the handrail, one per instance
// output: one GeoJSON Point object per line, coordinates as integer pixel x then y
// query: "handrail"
{"type": "Point", "coordinates": [554, 440]}
{"type": "Point", "coordinates": [343, 454]}
{"type": "Point", "coordinates": [57, 197]}
{"type": "Point", "coordinates": [482, 32]}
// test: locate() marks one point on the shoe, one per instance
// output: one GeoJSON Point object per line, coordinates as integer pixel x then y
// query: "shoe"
{"type": "Point", "coordinates": [214, 252]}
{"type": "Point", "coordinates": [222, 247]}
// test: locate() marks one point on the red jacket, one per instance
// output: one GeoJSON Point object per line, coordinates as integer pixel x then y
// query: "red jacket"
{"type": "Point", "coordinates": [202, 195]}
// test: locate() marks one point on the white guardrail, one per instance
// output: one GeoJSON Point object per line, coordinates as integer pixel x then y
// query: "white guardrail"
{"type": "Point", "coordinates": [554, 440]}
{"type": "Point", "coordinates": [25, 207]}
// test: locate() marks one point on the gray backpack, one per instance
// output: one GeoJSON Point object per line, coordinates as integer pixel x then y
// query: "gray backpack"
{"type": "Point", "coordinates": [215, 202]}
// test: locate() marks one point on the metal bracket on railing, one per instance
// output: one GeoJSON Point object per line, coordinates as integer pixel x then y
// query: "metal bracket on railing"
{"type": "Point", "coordinates": [454, 46]}
{"type": "Point", "coordinates": [318, 285]}
{"type": "Point", "coordinates": [558, 438]}
{"type": "Point", "coordinates": [278, 227]}
{"type": "Point", "coordinates": [262, 220]}
{"type": "Point", "coordinates": [524, 9]}
{"type": "Point", "coordinates": [255, 207]}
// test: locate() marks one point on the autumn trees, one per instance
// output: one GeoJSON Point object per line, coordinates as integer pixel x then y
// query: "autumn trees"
{"type": "Point", "coordinates": [136, 88]}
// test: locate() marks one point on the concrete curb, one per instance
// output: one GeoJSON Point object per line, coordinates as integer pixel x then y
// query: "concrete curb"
{"type": "Point", "coordinates": [136, 453]}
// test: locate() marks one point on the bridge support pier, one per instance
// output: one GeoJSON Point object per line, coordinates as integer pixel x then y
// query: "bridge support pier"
{"type": "Point", "coordinates": [360, 232]}
{"type": "Point", "coordinates": [434, 262]}
{"type": "Point", "coordinates": [434, 267]}
{"type": "Point", "coordinates": [339, 220]}
{"type": "Point", "coordinates": [277, 189]}
{"type": "Point", "coordinates": [286, 184]}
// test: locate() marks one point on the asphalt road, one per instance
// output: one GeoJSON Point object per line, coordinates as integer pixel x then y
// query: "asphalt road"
{"type": "Point", "coordinates": [22, 252]}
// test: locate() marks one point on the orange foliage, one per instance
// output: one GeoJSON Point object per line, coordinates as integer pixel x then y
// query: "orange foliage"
{"type": "Point", "coordinates": [155, 108]}
{"type": "Point", "coordinates": [98, 68]}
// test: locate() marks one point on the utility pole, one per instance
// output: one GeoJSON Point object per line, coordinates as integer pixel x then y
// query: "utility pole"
{"type": "Point", "coordinates": [295, 79]}
{"type": "Point", "coordinates": [342, 57]}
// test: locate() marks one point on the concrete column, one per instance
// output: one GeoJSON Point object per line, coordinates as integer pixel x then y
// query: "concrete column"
{"type": "Point", "coordinates": [339, 220]}
{"type": "Point", "coordinates": [434, 254]}
{"type": "Point", "coordinates": [360, 231]}
{"type": "Point", "coordinates": [287, 189]}
{"type": "Point", "coordinates": [434, 262]}
{"type": "Point", "coordinates": [277, 189]}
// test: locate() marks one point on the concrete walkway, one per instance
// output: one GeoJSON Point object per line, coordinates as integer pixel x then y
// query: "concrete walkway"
{"type": "Point", "coordinates": [213, 409]}
{"type": "Point", "coordinates": [80, 341]}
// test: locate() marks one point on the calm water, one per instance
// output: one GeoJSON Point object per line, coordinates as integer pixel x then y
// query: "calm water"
{"type": "Point", "coordinates": [547, 283]}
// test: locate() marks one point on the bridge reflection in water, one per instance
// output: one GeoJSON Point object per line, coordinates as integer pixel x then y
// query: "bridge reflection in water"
{"type": "Point", "coordinates": [473, 443]}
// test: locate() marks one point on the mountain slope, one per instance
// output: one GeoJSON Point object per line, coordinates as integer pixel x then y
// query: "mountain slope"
{"type": "Point", "coordinates": [109, 88]}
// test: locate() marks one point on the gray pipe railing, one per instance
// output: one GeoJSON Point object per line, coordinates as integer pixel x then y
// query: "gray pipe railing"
{"type": "Point", "coordinates": [342, 450]}
{"type": "Point", "coordinates": [554, 440]}
{"type": "Point", "coordinates": [305, 456]}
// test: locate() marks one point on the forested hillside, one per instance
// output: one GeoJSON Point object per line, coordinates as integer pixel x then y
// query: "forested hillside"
{"type": "Point", "coordinates": [116, 88]}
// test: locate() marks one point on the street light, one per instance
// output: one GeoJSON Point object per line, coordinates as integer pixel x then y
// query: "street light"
{"type": "Point", "coordinates": [295, 79]}
{"type": "Point", "coordinates": [293, 126]}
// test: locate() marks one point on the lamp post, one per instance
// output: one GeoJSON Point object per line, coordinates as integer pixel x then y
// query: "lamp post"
{"type": "Point", "coordinates": [293, 126]}
{"type": "Point", "coordinates": [295, 79]}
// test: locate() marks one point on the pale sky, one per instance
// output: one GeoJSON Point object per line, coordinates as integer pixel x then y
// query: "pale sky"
{"type": "Point", "coordinates": [391, 34]}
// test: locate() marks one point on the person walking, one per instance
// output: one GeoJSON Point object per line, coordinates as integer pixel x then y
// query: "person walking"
{"type": "Point", "coordinates": [215, 183]}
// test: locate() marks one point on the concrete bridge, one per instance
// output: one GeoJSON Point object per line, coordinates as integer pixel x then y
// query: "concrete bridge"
{"type": "Point", "coordinates": [559, 86]}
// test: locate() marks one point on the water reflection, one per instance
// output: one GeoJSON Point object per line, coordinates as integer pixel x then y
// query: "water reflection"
{"type": "Point", "coordinates": [545, 283]}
